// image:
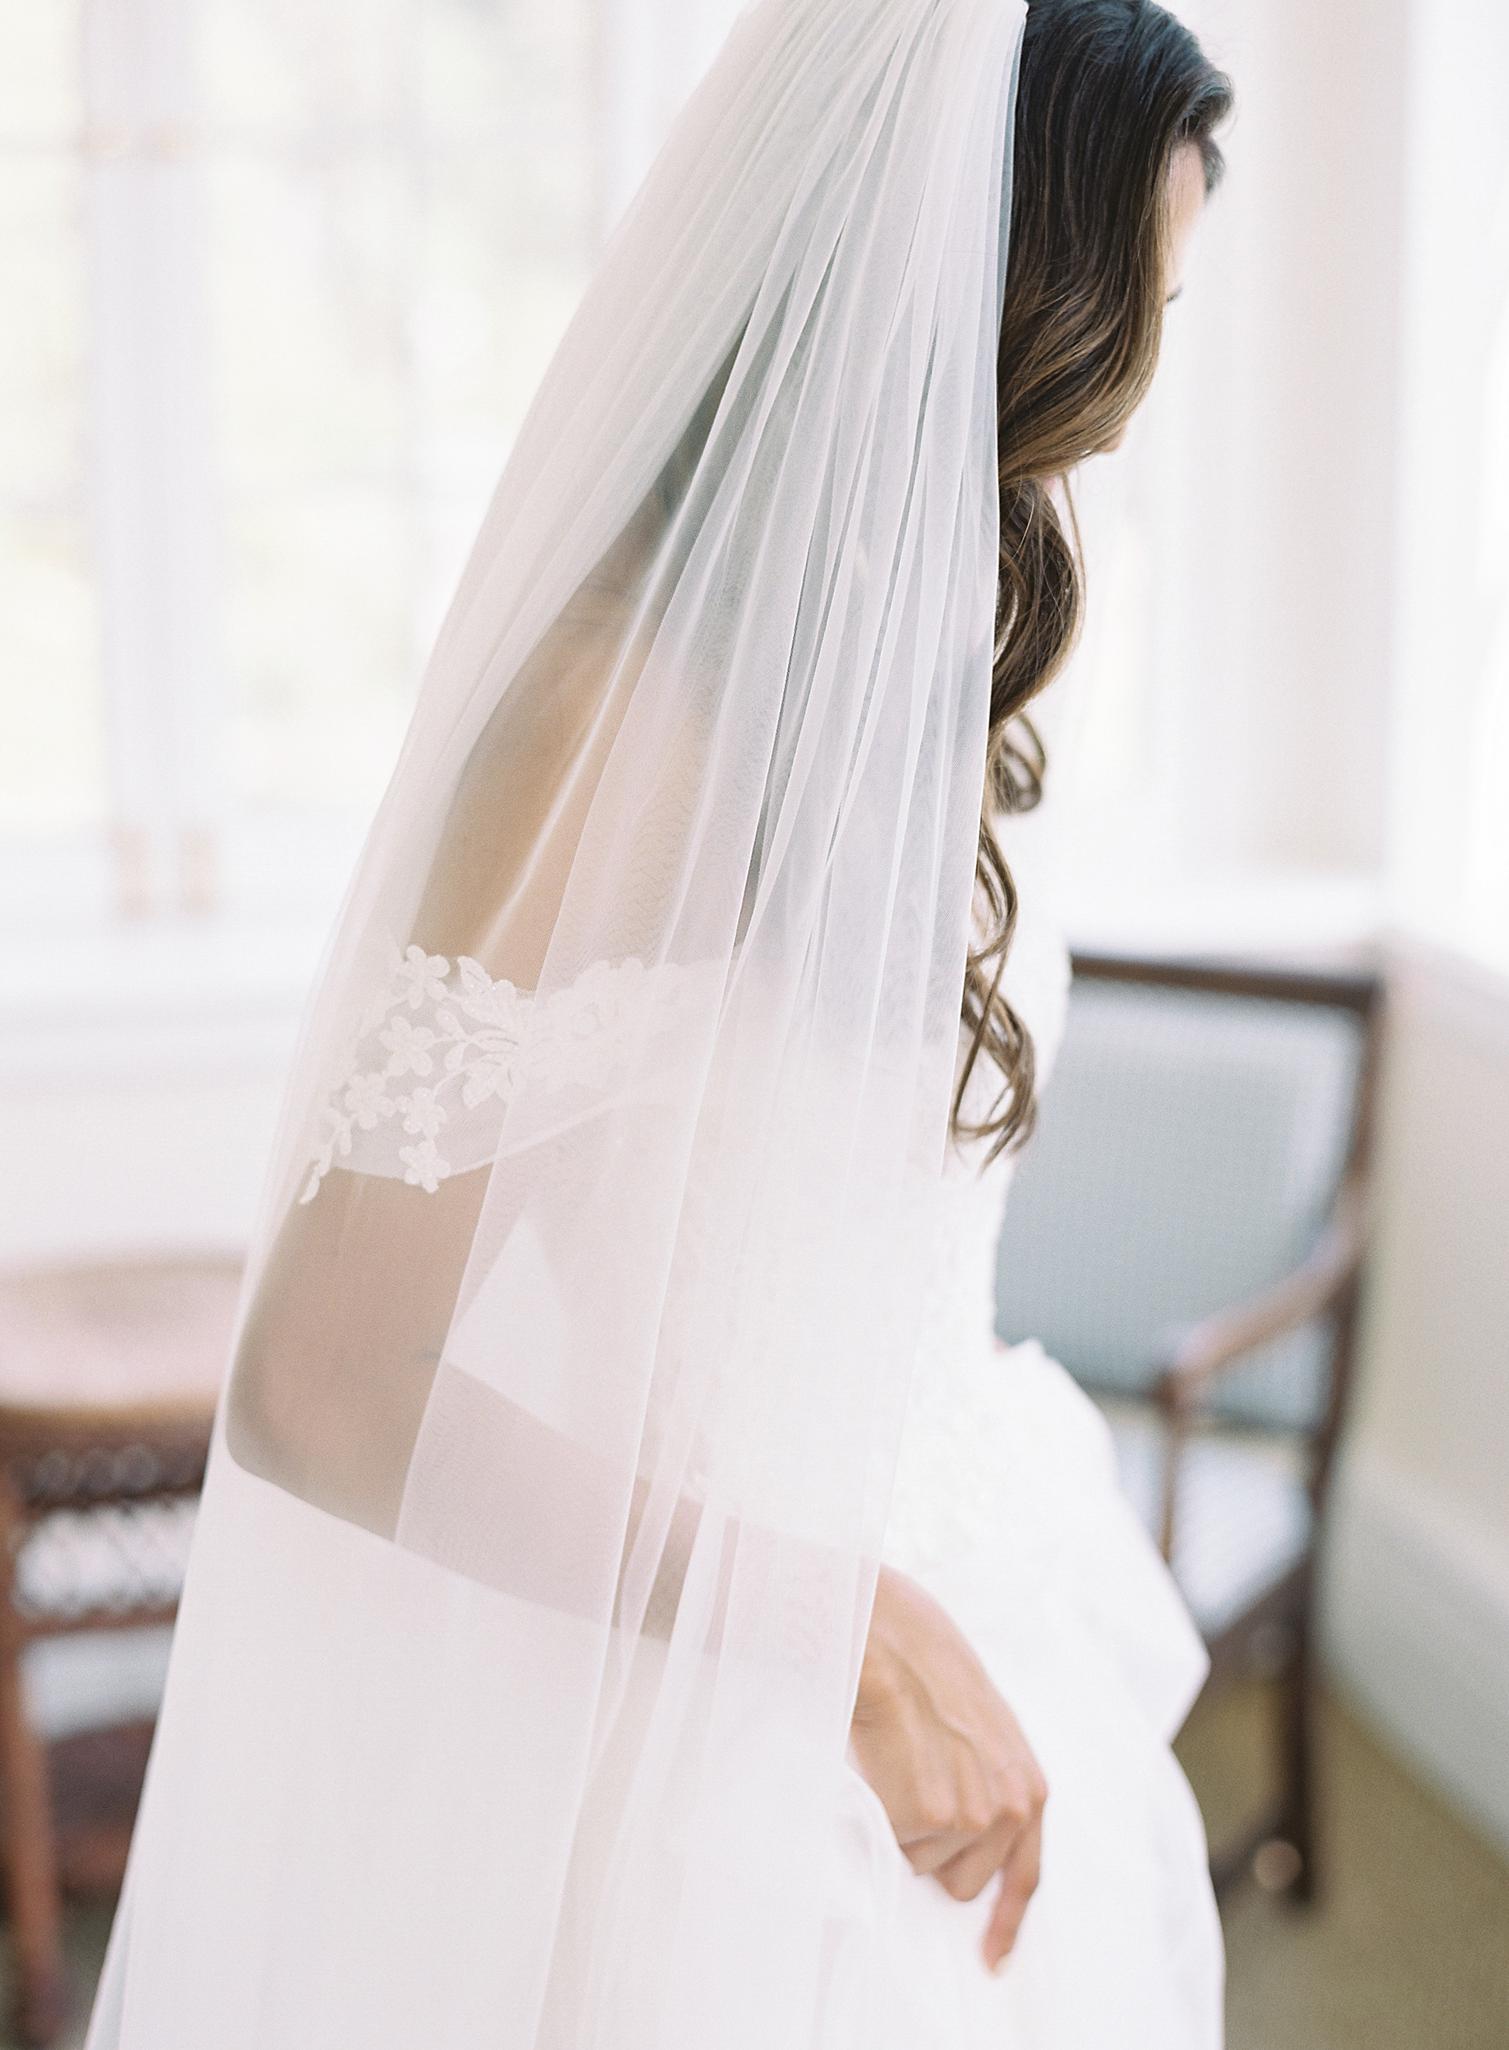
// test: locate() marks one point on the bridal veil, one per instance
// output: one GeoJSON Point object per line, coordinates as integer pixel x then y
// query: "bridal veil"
{"type": "Point", "coordinates": [511, 1684]}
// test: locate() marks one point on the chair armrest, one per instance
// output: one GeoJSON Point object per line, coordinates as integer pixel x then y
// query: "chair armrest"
{"type": "Point", "coordinates": [1220, 1342]}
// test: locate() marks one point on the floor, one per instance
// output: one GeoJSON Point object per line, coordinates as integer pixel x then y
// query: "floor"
{"type": "Point", "coordinates": [1409, 1947]}
{"type": "Point", "coordinates": [1408, 1951]}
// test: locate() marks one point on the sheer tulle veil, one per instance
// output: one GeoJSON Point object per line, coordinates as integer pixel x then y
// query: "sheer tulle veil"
{"type": "Point", "coordinates": [511, 1685]}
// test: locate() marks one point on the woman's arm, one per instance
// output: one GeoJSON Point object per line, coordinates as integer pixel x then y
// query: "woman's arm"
{"type": "Point", "coordinates": [948, 1759]}
{"type": "Point", "coordinates": [326, 1397]}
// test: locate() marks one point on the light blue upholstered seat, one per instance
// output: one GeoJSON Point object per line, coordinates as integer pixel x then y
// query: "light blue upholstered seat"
{"type": "Point", "coordinates": [1189, 1149]}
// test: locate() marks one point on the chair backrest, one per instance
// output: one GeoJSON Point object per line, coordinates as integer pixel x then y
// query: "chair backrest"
{"type": "Point", "coordinates": [1190, 1144]}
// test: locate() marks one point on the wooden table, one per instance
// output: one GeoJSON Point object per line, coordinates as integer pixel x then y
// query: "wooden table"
{"type": "Point", "coordinates": [109, 1373]}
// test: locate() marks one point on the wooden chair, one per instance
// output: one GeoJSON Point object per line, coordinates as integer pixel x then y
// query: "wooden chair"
{"type": "Point", "coordinates": [1186, 1232]}
{"type": "Point", "coordinates": [108, 1378]}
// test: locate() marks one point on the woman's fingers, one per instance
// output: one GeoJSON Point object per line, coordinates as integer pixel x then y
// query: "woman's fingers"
{"type": "Point", "coordinates": [937, 1848]}
{"type": "Point", "coordinates": [1019, 1877]}
{"type": "Point", "coordinates": [941, 1748]}
{"type": "Point", "coordinates": [970, 1871]}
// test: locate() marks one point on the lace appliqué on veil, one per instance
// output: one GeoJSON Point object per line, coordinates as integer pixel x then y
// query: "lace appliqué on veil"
{"type": "Point", "coordinates": [443, 1045]}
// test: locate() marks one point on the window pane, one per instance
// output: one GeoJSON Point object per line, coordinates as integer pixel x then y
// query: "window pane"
{"type": "Point", "coordinates": [41, 355]}
{"type": "Point", "coordinates": [280, 66]}
{"type": "Point", "coordinates": [507, 240]}
{"type": "Point", "coordinates": [400, 221]}
{"type": "Point", "coordinates": [308, 316]}
{"type": "Point", "coordinates": [51, 742]}
{"type": "Point", "coordinates": [321, 645]}
{"type": "Point", "coordinates": [498, 278]}
{"type": "Point", "coordinates": [511, 75]}
{"type": "Point", "coordinates": [39, 80]}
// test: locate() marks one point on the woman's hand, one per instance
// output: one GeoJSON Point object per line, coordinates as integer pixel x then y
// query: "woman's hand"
{"type": "Point", "coordinates": [947, 1757]}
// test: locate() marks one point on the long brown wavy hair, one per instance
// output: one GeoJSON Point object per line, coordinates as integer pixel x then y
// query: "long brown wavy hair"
{"type": "Point", "coordinates": [1107, 91]}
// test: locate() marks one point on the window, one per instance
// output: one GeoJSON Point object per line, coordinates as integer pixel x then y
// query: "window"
{"type": "Point", "coordinates": [52, 739]}
{"type": "Point", "coordinates": [290, 272]}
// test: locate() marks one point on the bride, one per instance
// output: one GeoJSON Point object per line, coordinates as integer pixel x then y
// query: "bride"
{"type": "Point", "coordinates": [635, 1604]}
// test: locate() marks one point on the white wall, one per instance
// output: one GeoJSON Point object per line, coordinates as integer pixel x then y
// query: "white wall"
{"type": "Point", "coordinates": [140, 1080]}
{"type": "Point", "coordinates": [1243, 690]}
{"type": "Point", "coordinates": [1449, 821]}
{"type": "Point", "coordinates": [1417, 1591]}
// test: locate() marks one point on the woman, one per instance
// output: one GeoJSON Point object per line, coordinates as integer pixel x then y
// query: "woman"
{"type": "Point", "coordinates": [632, 1604]}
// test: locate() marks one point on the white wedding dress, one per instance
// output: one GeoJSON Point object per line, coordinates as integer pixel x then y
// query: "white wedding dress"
{"type": "Point", "coordinates": [1008, 1509]}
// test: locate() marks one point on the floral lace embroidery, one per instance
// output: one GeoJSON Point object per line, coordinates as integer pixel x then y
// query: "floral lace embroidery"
{"type": "Point", "coordinates": [440, 1041]}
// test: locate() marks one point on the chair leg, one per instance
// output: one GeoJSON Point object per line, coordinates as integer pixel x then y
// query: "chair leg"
{"type": "Point", "coordinates": [28, 1850]}
{"type": "Point", "coordinates": [1297, 1763]}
